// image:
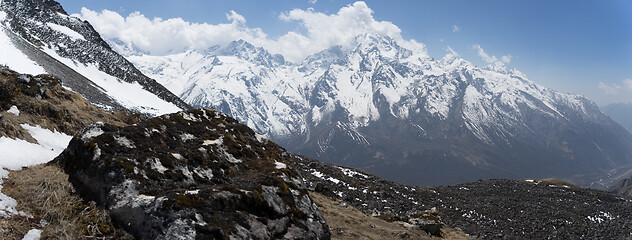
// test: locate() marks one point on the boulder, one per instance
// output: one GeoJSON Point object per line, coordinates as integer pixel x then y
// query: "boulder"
{"type": "Point", "coordinates": [197, 174]}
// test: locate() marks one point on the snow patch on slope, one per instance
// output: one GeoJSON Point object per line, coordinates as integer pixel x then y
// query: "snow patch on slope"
{"type": "Point", "coordinates": [66, 30]}
{"type": "Point", "coordinates": [129, 95]}
{"type": "Point", "coordinates": [14, 110]}
{"type": "Point", "coordinates": [13, 157]}
{"type": "Point", "coordinates": [13, 58]}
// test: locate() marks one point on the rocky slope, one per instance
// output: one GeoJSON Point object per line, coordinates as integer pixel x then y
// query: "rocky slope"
{"type": "Point", "coordinates": [66, 47]}
{"type": "Point", "coordinates": [42, 101]}
{"type": "Point", "coordinates": [400, 114]}
{"type": "Point", "coordinates": [192, 175]}
{"type": "Point", "coordinates": [37, 115]}
{"type": "Point", "coordinates": [491, 209]}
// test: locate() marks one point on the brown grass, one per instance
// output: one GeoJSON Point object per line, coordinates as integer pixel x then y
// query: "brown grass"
{"type": "Point", "coordinates": [44, 192]}
{"type": "Point", "coordinates": [347, 222]}
{"type": "Point", "coordinates": [62, 110]}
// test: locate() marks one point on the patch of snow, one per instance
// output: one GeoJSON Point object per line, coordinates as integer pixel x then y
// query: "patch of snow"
{"type": "Point", "coordinates": [14, 110]}
{"type": "Point", "coordinates": [325, 177]}
{"type": "Point", "coordinates": [218, 141]}
{"type": "Point", "coordinates": [51, 142]}
{"type": "Point", "coordinates": [66, 30]}
{"type": "Point", "coordinates": [33, 234]}
{"type": "Point", "coordinates": [14, 58]}
{"type": "Point", "coordinates": [280, 165]}
{"type": "Point", "coordinates": [192, 191]}
{"type": "Point", "coordinates": [352, 173]}
{"type": "Point", "coordinates": [50, 145]}
{"type": "Point", "coordinates": [130, 95]}
{"type": "Point", "coordinates": [601, 217]}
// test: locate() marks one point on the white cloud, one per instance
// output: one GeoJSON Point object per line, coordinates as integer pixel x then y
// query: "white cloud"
{"type": "Point", "coordinates": [313, 1]}
{"type": "Point", "coordinates": [506, 58]}
{"type": "Point", "coordinates": [628, 83]}
{"type": "Point", "coordinates": [610, 89]}
{"type": "Point", "coordinates": [491, 59]}
{"type": "Point", "coordinates": [159, 37]}
{"type": "Point", "coordinates": [235, 17]}
{"type": "Point", "coordinates": [456, 28]}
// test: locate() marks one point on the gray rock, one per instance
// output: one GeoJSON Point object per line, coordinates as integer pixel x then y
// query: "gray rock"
{"type": "Point", "coordinates": [195, 174]}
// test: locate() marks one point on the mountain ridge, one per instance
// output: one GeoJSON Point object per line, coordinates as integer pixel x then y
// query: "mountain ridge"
{"type": "Point", "coordinates": [70, 48]}
{"type": "Point", "coordinates": [457, 113]}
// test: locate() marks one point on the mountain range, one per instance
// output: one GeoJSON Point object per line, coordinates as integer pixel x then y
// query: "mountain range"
{"type": "Point", "coordinates": [399, 113]}
{"type": "Point", "coordinates": [121, 173]}
{"type": "Point", "coordinates": [377, 106]}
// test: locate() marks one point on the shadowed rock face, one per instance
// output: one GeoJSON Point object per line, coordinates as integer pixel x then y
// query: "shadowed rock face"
{"type": "Point", "coordinates": [195, 174]}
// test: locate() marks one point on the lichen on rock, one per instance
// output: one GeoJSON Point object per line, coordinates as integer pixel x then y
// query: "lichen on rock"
{"type": "Point", "coordinates": [219, 182]}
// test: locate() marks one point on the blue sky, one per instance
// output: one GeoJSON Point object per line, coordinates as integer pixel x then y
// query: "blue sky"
{"type": "Point", "coordinates": [577, 46]}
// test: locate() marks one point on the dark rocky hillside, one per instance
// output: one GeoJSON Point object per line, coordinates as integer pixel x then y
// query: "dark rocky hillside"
{"type": "Point", "coordinates": [196, 174]}
{"type": "Point", "coordinates": [490, 209]}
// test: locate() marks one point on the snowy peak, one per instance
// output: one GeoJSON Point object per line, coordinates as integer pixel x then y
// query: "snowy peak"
{"type": "Point", "coordinates": [380, 45]}
{"type": "Point", "coordinates": [384, 102]}
{"type": "Point", "coordinates": [248, 52]}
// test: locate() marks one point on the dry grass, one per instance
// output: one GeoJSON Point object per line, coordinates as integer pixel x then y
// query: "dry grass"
{"type": "Point", "coordinates": [60, 110]}
{"type": "Point", "coordinates": [347, 222]}
{"type": "Point", "coordinates": [44, 192]}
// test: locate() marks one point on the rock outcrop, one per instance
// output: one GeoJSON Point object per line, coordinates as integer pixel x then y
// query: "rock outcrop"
{"type": "Point", "coordinates": [192, 175]}
{"type": "Point", "coordinates": [42, 100]}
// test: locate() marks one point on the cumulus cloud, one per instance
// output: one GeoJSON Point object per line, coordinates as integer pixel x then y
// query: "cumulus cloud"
{"type": "Point", "coordinates": [610, 89]}
{"type": "Point", "coordinates": [159, 37]}
{"type": "Point", "coordinates": [491, 59]}
{"type": "Point", "coordinates": [456, 28]}
{"type": "Point", "coordinates": [313, 1]}
{"type": "Point", "coordinates": [235, 17]}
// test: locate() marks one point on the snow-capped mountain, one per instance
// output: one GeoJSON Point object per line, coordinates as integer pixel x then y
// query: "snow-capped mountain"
{"type": "Point", "coordinates": [399, 113]}
{"type": "Point", "coordinates": [42, 38]}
